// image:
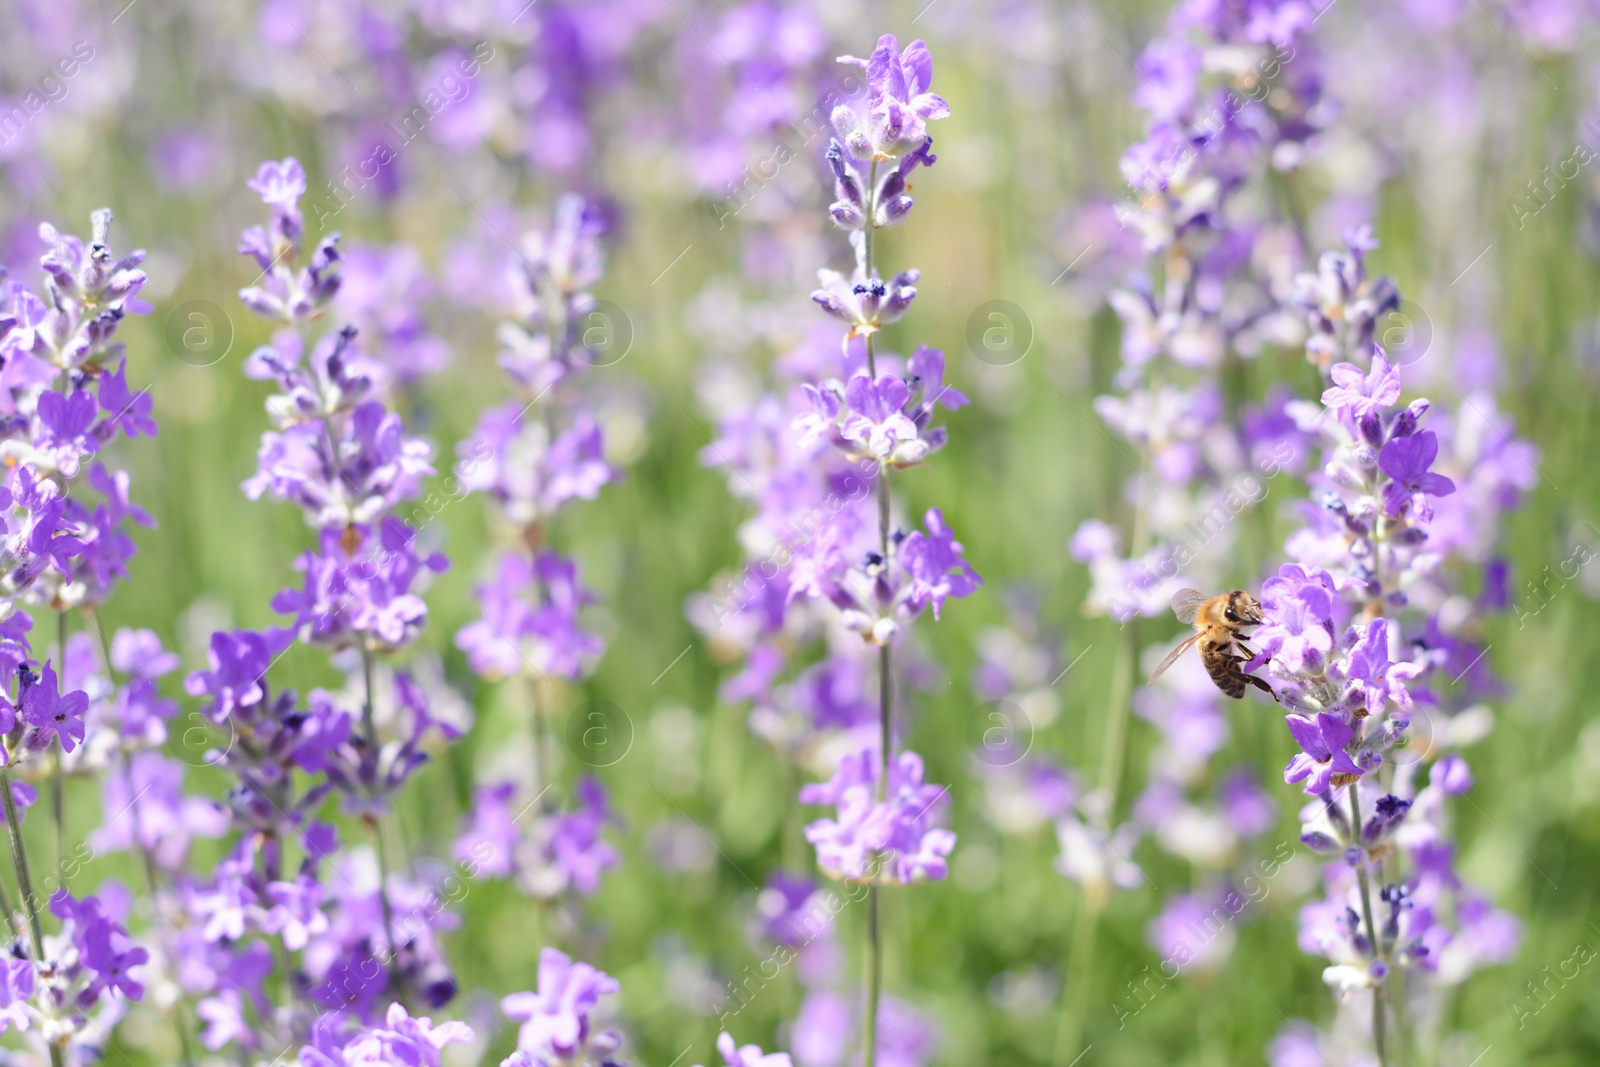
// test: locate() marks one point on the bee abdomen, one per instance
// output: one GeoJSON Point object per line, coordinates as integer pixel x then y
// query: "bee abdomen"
{"type": "Point", "coordinates": [1220, 664]}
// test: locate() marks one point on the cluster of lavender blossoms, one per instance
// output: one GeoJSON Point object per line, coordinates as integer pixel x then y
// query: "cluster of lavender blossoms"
{"type": "Point", "coordinates": [534, 454]}
{"type": "Point", "coordinates": [829, 566]}
{"type": "Point", "coordinates": [875, 421]}
{"type": "Point", "coordinates": [346, 936]}
{"type": "Point", "coordinates": [1234, 95]}
{"type": "Point", "coordinates": [1368, 616]}
{"type": "Point", "coordinates": [64, 516]}
{"type": "Point", "coordinates": [872, 421]}
{"type": "Point", "coordinates": [1234, 98]}
{"type": "Point", "coordinates": [1372, 648]}
{"type": "Point", "coordinates": [354, 943]}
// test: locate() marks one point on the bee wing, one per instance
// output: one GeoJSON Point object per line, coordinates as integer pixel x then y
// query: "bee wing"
{"type": "Point", "coordinates": [1172, 657]}
{"type": "Point", "coordinates": [1186, 604]}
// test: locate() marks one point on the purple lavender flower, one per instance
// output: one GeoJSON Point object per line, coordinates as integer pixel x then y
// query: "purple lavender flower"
{"type": "Point", "coordinates": [284, 294]}
{"type": "Point", "coordinates": [1298, 607]}
{"type": "Point", "coordinates": [531, 475]}
{"type": "Point", "coordinates": [90, 295]}
{"type": "Point", "coordinates": [1323, 740]}
{"type": "Point", "coordinates": [781, 909]}
{"type": "Point", "coordinates": [873, 417]}
{"type": "Point", "coordinates": [399, 1039]}
{"type": "Point", "coordinates": [935, 564]}
{"type": "Point", "coordinates": [1452, 775]}
{"type": "Point", "coordinates": [735, 1055]}
{"type": "Point", "coordinates": [1406, 460]}
{"type": "Point", "coordinates": [17, 985]}
{"type": "Point", "coordinates": [383, 291]}
{"type": "Point", "coordinates": [1359, 395]}
{"type": "Point", "coordinates": [863, 300]}
{"type": "Point", "coordinates": [1343, 306]}
{"type": "Point", "coordinates": [556, 1019]}
{"type": "Point", "coordinates": [899, 105]}
{"type": "Point", "coordinates": [65, 422]}
{"type": "Point", "coordinates": [550, 337]}
{"type": "Point", "coordinates": [239, 662]}
{"type": "Point", "coordinates": [537, 634]}
{"type": "Point", "coordinates": [151, 812]}
{"type": "Point", "coordinates": [280, 185]}
{"type": "Point", "coordinates": [902, 825]}
{"type": "Point", "coordinates": [52, 715]}
{"type": "Point", "coordinates": [490, 835]}
{"type": "Point", "coordinates": [362, 596]}
{"type": "Point", "coordinates": [105, 952]}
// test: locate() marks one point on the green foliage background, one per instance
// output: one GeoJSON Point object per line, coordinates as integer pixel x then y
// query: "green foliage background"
{"type": "Point", "coordinates": [1016, 481]}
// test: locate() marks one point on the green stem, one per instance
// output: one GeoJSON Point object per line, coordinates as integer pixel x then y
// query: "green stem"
{"type": "Point", "coordinates": [1075, 991]}
{"type": "Point", "coordinates": [19, 858]}
{"type": "Point", "coordinates": [874, 952]}
{"type": "Point", "coordinates": [1372, 930]}
{"type": "Point", "coordinates": [872, 210]}
{"type": "Point", "coordinates": [1116, 736]}
{"type": "Point", "coordinates": [368, 725]}
{"type": "Point", "coordinates": [58, 802]}
{"type": "Point", "coordinates": [11, 911]}
{"type": "Point", "coordinates": [869, 1021]}
{"type": "Point", "coordinates": [541, 766]}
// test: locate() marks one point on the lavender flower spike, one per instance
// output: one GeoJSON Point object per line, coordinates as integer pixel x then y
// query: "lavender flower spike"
{"type": "Point", "coordinates": [899, 105]}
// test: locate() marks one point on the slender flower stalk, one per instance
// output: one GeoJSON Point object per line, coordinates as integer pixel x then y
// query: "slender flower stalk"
{"type": "Point", "coordinates": [1379, 1030]}
{"type": "Point", "coordinates": [19, 859]}
{"type": "Point", "coordinates": [534, 455]}
{"type": "Point", "coordinates": [880, 421]}
{"type": "Point", "coordinates": [359, 946]}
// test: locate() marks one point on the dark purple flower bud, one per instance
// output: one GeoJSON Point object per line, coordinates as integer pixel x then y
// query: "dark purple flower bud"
{"type": "Point", "coordinates": [1389, 812]}
{"type": "Point", "coordinates": [846, 186]}
{"type": "Point", "coordinates": [1371, 428]}
{"type": "Point", "coordinates": [323, 271]}
{"type": "Point", "coordinates": [845, 214]}
{"type": "Point", "coordinates": [1320, 843]}
{"type": "Point", "coordinates": [894, 210]}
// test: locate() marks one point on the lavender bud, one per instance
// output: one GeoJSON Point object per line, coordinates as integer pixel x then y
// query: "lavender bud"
{"type": "Point", "coordinates": [894, 211]}
{"type": "Point", "coordinates": [1320, 843]}
{"type": "Point", "coordinates": [846, 215]}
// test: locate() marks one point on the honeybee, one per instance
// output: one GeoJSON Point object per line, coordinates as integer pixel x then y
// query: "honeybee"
{"type": "Point", "coordinates": [1219, 623]}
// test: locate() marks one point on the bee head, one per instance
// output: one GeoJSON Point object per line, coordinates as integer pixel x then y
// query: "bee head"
{"type": "Point", "coordinates": [1242, 608]}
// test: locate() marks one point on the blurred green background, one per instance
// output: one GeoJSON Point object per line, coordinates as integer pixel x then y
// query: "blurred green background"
{"type": "Point", "coordinates": [1039, 119]}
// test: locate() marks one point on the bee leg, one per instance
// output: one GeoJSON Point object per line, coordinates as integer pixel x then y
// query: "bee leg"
{"type": "Point", "coordinates": [1248, 654]}
{"type": "Point", "coordinates": [1261, 684]}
